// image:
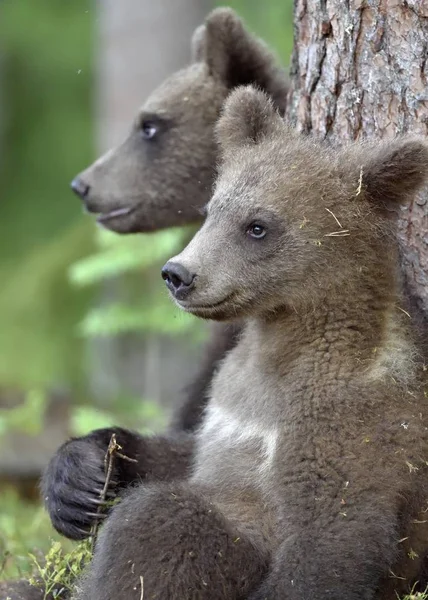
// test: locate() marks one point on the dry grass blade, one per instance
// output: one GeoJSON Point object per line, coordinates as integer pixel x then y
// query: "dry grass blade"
{"type": "Point", "coordinates": [360, 183]}
{"type": "Point", "coordinates": [341, 233]}
{"type": "Point", "coordinates": [109, 459]}
{"type": "Point", "coordinates": [113, 452]}
{"type": "Point", "coordinates": [404, 311]}
{"type": "Point", "coordinates": [334, 217]}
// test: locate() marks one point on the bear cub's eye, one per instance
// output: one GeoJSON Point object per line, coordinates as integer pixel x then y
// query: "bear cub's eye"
{"type": "Point", "coordinates": [256, 231]}
{"type": "Point", "coordinates": [148, 130]}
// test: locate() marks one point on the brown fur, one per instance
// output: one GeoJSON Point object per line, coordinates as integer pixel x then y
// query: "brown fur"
{"type": "Point", "coordinates": [189, 415]}
{"type": "Point", "coordinates": [310, 468]}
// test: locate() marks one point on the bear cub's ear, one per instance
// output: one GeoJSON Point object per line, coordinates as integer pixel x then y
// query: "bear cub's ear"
{"type": "Point", "coordinates": [395, 170]}
{"type": "Point", "coordinates": [248, 117]}
{"type": "Point", "coordinates": [198, 44]}
{"type": "Point", "coordinates": [236, 57]}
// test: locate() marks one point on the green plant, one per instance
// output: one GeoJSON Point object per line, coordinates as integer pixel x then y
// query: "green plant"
{"type": "Point", "coordinates": [58, 571]}
{"type": "Point", "coordinates": [416, 596]}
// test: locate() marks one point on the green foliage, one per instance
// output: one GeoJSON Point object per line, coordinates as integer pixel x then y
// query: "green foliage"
{"type": "Point", "coordinates": [59, 570]}
{"type": "Point", "coordinates": [31, 549]}
{"type": "Point", "coordinates": [39, 312]}
{"type": "Point", "coordinates": [47, 124]}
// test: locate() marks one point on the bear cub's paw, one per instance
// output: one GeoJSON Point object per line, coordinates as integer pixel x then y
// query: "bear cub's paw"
{"type": "Point", "coordinates": [72, 485]}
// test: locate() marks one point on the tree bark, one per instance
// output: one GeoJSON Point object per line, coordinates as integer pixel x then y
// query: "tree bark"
{"type": "Point", "coordinates": [359, 70]}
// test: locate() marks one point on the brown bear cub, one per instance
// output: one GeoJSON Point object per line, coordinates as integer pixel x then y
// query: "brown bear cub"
{"type": "Point", "coordinates": [310, 472]}
{"type": "Point", "coordinates": [161, 176]}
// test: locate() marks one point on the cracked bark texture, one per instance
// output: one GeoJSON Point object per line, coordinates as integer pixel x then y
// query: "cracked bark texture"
{"type": "Point", "coordinates": [359, 70]}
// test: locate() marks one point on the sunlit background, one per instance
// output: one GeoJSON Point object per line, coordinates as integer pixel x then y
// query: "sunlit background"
{"type": "Point", "coordinates": [88, 336]}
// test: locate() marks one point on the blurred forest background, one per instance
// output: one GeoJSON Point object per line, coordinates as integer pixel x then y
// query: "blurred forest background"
{"type": "Point", "coordinates": [88, 336]}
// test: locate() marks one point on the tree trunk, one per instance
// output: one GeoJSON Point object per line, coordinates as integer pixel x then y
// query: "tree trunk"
{"type": "Point", "coordinates": [359, 69]}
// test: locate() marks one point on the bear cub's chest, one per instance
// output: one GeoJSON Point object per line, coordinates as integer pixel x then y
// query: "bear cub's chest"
{"type": "Point", "coordinates": [238, 441]}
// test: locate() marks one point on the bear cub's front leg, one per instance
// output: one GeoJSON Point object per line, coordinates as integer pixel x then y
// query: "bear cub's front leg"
{"type": "Point", "coordinates": [171, 542]}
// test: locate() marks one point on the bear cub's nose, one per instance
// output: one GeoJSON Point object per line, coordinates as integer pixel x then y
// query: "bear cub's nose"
{"type": "Point", "coordinates": [79, 187]}
{"type": "Point", "coordinates": [178, 279]}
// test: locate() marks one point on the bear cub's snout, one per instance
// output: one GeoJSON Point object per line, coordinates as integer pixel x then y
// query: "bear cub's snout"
{"type": "Point", "coordinates": [178, 279]}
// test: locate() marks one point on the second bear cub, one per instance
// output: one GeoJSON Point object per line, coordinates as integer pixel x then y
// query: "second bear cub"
{"type": "Point", "coordinates": [310, 470]}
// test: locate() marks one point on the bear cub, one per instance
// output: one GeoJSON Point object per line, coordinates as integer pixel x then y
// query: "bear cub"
{"type": "Point", "coordinates": [309, 477]}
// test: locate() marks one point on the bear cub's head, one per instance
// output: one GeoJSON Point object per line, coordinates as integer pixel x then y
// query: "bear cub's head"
{"type": "Point", "coordinates": [293, 221]}
{"type": "Point", "coordinates": [162, 174]}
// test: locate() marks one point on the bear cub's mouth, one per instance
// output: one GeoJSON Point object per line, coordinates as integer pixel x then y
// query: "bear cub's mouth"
{"type": "Point", "coordinates": [114, 214]}
{"type": "Point", "coordinates": [192, 307]}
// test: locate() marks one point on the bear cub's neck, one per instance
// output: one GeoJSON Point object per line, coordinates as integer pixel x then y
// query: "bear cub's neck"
{"type": "Point", "coordinates": [354, 335]}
